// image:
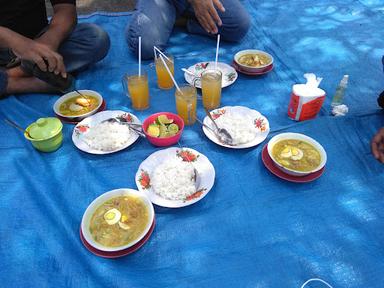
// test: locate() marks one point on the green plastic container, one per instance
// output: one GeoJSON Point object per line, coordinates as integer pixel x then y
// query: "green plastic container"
{"type": "Point", "coordinates": [45, 134]}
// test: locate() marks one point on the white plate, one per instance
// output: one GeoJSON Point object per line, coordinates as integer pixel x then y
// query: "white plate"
{"type": "Point", "coordinates": [229, 73]}
{"type": "Point", "coordinates": [259, 121]}
{"type": "Point", "coordinates": [83, 127]}
{"type": "Point", "coordinates": [204, 180]}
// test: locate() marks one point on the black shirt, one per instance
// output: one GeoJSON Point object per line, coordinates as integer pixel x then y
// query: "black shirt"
{"type": "Point", "coordinates": [26, 17]}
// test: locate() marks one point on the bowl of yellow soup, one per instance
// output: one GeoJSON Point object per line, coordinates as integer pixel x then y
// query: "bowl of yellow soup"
{"type": "Point", "coordinates": [253, 61]}
{"type": "Point", "coordinates": [296, 154]}
{"type": "Point", "coordinates": [117, 220]}
{"type": "Point", "coordinates": [77, 106]}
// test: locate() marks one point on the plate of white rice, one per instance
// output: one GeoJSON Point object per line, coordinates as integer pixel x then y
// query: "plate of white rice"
{"type": "Point", "coordinates": [246, 126]}
{"type": "Point", "coordinates": [175, 177]}
{"type": "Point", "coordinates": [94, 136]}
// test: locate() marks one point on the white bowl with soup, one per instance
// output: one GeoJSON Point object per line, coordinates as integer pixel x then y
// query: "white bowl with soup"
{"type": "Point", "coordinates": [296, 154]}
{"type": "Point", "coordinates": [75, 106]}
{"type": "Point", "coordinates": [117, 220]}
{"type": "Point", "coordinates": [253, 61]}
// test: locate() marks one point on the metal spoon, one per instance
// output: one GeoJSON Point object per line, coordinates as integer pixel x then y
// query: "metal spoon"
{"type": "Point", "coordinates": [214, 132]}
{"type": "Point", "coordinates": [13, 124]}
{"type": "Point", "coordinates": [223, 133]}
{"type": "Point", "coordinates": [130, 125]}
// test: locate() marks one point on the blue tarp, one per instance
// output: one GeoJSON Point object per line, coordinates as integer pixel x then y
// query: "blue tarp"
{"type": "Point", "coordinates": [252, 229]}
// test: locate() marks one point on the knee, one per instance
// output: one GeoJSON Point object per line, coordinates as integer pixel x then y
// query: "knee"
{"type": "Point", "coordinates": [238, 27]}
{"type": "Point", "coordinates": [99, 40]}
{"type": "Point", "coordinates": [150, 36]}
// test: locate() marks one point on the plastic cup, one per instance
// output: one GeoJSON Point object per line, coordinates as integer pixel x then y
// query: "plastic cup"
{"type": "Point", "coordinates": [164, 81]}
{"type": "Point", "coordinates": [211, 88]}
{"type": "Point", "coordinates": [186, 102]}
{"type": "Point", "coordinates": [136, 88]}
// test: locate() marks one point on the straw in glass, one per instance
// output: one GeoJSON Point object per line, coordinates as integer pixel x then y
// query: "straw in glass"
{"type": "Point", "coordinates": [139, 55]}
{"type": "Point", "coordinates": [217, 50]}
{"type": "Point", "coordinates": [161, 53]}
{"type": "Point", "coordinates": [170, 74]}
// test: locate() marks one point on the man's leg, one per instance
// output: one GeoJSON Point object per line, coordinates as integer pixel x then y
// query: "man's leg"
{"type": "Point", "coordinates": [236, 22]}
{"type": "Point", "coordinates": [153, 21]}
{"type": "Point", "coordinates": [86, 45]}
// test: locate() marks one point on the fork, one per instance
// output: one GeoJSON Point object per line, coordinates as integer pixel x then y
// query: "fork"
{"type": "Point", "coordinates": [133, 126]}
{"type": "Point", "coordinates": [222, 133]}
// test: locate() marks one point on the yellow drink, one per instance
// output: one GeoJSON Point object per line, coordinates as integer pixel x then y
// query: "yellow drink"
{"type": "Point", "coordinates": [138, 91]}
{"type": "Point", "coordinates": [164, 81]}
{"type": "Point", "coordinates": [211, 88]}
{"type": "Point", "coordinates": [186, 102]}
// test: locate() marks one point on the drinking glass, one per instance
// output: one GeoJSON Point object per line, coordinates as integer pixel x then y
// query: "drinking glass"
{"type": "Point", "coordinates": [164, 81]}
{"type": "Point", "coordinates": [186, 102]}
{"type": "Point", "coordinates": [211, 88]}
{"type": "Point", "coordinates": [136, 88]}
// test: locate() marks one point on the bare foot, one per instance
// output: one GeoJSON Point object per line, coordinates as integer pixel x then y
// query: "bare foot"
{"type": "Point", "coordinates": [16, 72]}
{"type": "Point", "coordinates": [17, 85]}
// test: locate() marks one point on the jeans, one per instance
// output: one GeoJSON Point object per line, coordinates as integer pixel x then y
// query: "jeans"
{"type": "Point", "coordinates": [86, 45]}
{"type": "Point", "coordinates": [154, 21]}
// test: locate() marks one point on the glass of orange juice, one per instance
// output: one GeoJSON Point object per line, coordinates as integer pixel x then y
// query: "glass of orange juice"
{"type": "Point", "coordinates": [164, 81]}
{"type": "Point", "coordinates": [186, 102]}
{"type": "Point", "coordinates": [211, 88]}
{"type": "Point", "coordinates": [136, 88]}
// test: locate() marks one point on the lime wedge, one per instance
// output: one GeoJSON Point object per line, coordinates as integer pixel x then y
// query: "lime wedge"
{"type": "Point", "coordinates": [173, 129]}
{"type": "Point", "coordinates": [163, 131]}
{"type": "Point", "coordinates": [163, 119]}
{"type": "Point", "coordinates": [153, 130]}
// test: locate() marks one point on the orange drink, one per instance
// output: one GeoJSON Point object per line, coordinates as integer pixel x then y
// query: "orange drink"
{"type": "Point", "coordinates": [164, 81]}
{"type": "Point", "coordinates": [211, 88]}
{"type": "Point", "coordinates": [186, 102]}
{"type": "Point", "coordinates": [137, 89]}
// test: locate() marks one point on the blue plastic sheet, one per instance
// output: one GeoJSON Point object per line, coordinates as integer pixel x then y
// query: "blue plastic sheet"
{"type": "Point", "coordinates": [252, 229]}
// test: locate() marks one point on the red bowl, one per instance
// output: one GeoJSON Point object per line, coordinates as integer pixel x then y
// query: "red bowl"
{"type": "Point", "coordinates": [162, 142]}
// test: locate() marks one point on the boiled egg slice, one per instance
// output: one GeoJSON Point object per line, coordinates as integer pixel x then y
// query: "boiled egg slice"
{"type": "Point", "coordinates": [75, 107]}
{"type": "Point", "coordinates": [286, 153]}
{"type": "Point", "coordinates": [112, 216]}
{"type": "Point", "coordinates": [124, 226]}
{"type": "Point", "coordinates": [297, 153]}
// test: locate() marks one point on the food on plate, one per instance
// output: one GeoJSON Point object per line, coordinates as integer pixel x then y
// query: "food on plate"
{"type": "Point", "coordinates": [107, 136]}
{"type": "Point", "coordinates": [296, 155]}
{"type": "Point", "coordinates": [162, 127]}
{"type": "Point", "coordinates": [254, 60]}
{"type": "Point", "coordinates": [240, 127]}
{"type": "Point", "coordinates": [119, 221]}
{"type": "Point", "coordinates": [78, 105]}
{"type": "Point", "coordinates": [174, 180]}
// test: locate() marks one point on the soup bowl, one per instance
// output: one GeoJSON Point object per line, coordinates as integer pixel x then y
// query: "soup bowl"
{"type": "Point", "coordinates": [78, 117]}
{"type": "Point", "coordinates": [86, 220]}
{"type": "Point", "coordinates": [297, 136]}
{"type": "Point", "coordinates": [253, 69]}
{"type": "Point", "coordinates": [166, 141]}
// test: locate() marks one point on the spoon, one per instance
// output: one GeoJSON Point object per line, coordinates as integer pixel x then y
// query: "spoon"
{"type": "Point", "coordinates": [13, 124]}
{"type": "Point", "coordinates": [130, 125]}
{"type": "Point", "coordinates": [222, 133]}
{"type": "Point", "coordinates": [190, 72]}
{"type": "Point", "coordinates": [214, 132]}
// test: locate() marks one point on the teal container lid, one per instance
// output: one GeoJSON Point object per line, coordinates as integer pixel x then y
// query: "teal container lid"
{"type": "Point", "coordinates": [45, 128]}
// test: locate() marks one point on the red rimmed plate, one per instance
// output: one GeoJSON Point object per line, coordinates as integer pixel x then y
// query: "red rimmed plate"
{"type": "Point", "coordinates": [77, 120]}
{"type": "Point", "coordinates": [268, 162]}
{"type": "Point", "coordinates": [238, 69]}
{"type": "Point", "coordinates": [121, 253]}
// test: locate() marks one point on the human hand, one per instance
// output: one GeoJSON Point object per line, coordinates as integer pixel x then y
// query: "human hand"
{"type": "Point", "coordinates": [41, 54]}
{"type": "Point", "coordinates": [206, 13]}
{"type": "Point", "coordinates": [377, 145]}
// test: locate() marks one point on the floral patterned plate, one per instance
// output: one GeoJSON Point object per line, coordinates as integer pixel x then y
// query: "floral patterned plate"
{"type": "Point", "coordinates": [204, 180]}
{"type": "Point", "coordinates": [229, 73]}
{"type": "Point", "coordinates": [260, 123]}
{"type": "Point", "coordinates": [85, 125]}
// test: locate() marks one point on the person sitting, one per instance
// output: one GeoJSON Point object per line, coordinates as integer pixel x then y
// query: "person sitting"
{"type": "Point", "coordinates": [61, 46]}
{"type": "Point", "coordinates": [377, 145]}
{"type": "Point", "coordinates": [154, 21]}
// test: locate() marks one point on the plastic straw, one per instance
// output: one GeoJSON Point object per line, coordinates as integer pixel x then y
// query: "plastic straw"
{"type": "Point", "coordinates": [170, 74]}
{"type": "Point", "coordinates": [154, 52]}
{"type": "Point", "coordinates": [217, 50]}
{"type": "Point", "coordinates": [161, 53]}
{"type": "Point", "coordinates": [139, 55]}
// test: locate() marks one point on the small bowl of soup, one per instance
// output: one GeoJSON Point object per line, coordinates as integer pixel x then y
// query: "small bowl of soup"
{"type": "Point", "coordinates": [253, 61]}
{"type": "Point", "coordinates": [77, 106]}
{"type": "Point", "coordinates": [296, 154]}
{"type": "Point", "coordinates": [117, 220]}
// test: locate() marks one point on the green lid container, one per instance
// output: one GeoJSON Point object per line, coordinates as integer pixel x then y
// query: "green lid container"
{"type": "Point", "coordinates": [45, 134]}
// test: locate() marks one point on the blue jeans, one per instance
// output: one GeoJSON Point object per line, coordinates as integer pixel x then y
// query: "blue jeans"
{"type": "Point", "coordinates": [154, 21]}
{"type": "Point", "coordinates": [86, 45]}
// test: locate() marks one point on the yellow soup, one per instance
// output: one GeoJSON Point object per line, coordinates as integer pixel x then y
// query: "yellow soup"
{"type": "Point", "coordinates": [119, 221]}
{"type": "Point", "coordinates": [78, 105]}
{"type": "Point", "coordinates": [296, 155]}
{"type": "Point", "coordinates": [254, 60]}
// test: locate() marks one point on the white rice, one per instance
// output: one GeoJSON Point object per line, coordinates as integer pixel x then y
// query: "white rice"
{"type": "Point", "coordinates": [107, 136]}
{"type": "Point", "coordinates": [174, 180]}
{"type": "Point", "coordinates": [240, 127]}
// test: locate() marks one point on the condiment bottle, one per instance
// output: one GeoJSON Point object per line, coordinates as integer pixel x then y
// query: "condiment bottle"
{"type": "Point", "coordinates": [340, 91]}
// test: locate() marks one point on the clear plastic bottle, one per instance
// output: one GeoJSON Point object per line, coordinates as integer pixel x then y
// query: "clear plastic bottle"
{"type": "Point", "coordinates": [340, 91]}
